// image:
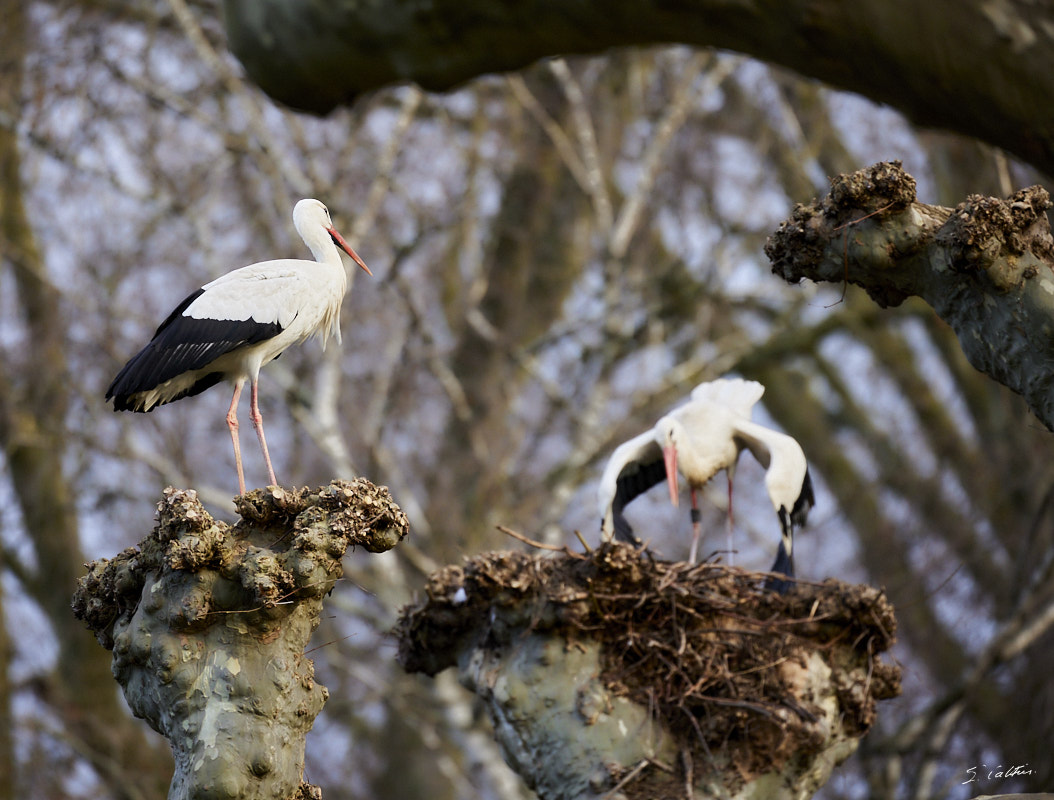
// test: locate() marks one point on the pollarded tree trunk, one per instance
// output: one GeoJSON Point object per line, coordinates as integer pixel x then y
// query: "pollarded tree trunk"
{"type": "Point", "coordinates": [208, 623]}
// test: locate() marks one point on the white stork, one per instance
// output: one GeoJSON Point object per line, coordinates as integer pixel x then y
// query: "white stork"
{"type": "Point", "coordinates": [229, 328]}
{"type": "Point", "coordinates": [699, 439]}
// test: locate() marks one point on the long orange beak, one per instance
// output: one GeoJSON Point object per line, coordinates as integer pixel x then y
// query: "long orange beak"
{"type": "Point", "coordinates": [669, 455]}
{"type": "Point", "coordinates": [338, 240]}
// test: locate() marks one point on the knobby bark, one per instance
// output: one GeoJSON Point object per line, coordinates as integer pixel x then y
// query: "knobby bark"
{"type": "Point", "coordinates": [316, 55]}
{"type": "Point", "coordinates": [986, 267]}
{"type": "Point", "coordinates": [208, 623]}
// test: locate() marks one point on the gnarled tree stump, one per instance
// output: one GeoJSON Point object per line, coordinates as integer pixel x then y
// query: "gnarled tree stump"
{"type": "Point", "coordinates": [208, 622]}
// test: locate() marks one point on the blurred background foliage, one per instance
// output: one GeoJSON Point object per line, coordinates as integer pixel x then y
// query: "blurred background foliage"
{"type": "Point", "coordinates": [560, 256]}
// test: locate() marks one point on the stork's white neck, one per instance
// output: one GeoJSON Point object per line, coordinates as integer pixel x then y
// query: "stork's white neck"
{"type": "Point", "coordinates": [321, 245]}
{"type": "Point", "coordinates": [325, 251]}
{"type": "Point", "coordinates": [311, 220]}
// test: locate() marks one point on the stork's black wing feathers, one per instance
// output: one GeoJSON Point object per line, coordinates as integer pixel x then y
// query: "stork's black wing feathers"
{"type": "Point", "coordinates": [184, 344]}
{"type": "Point", "coordinates": [178, 310]}
{"type": "Point", "coordinates": [806, 500]}
{"type": "Point", "coordinates": [635, 479]}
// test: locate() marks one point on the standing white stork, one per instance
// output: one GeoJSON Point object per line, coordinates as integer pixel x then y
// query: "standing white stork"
{"type": "Point", "coordinates": [699, 439]}
{"type": "Point", "coordinates": [229, 328]}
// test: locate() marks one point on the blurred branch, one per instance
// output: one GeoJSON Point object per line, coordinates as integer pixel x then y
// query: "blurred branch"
{"type": "Point", "coordinates": [274, 158]}
{"type": "Point", "coordinates": [932, 506]}
{"type": "Point", "coordinates": [179, 104]}
{"type": "Point", "coordinates": [341, 51]}
{"type": "Point", "coordinates": [683, 101]}
{"type": "Point", "coordinates": [930, 729]}
{"type": "Point", "coordinates": [596, 184]}
{"type": "Point", "coordinates": [171, 474]}
{"type": "Point", "coordinates": [382, 179]}
{"type": "Point", "coordinates": [556, 134]}
{"type": "Point", "coordinates": [56, 151]}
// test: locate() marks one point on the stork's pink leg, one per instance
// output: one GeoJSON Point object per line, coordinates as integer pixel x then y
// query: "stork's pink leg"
{"type": "Point", "coordinates": [232, 423]}
{"type": "Point", "coordinates": [257, 420]}
{"type": "Point", "coordinates": [731, 552]}
{"type": "Point", "coordinates": [697, 528]}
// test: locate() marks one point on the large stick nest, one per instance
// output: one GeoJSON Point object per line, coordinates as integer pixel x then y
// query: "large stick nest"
{"type": "Point", "coordinates": [721, 661]}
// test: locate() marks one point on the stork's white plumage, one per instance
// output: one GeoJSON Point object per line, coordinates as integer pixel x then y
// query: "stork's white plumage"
{"type": "Point", "coordinates": [229, 328]}
{"type": "Point", "coordinates": [698, 440]}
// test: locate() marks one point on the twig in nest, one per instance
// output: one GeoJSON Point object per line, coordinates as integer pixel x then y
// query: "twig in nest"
{"type": "Point", "coordinates": [563, 548]}
{"type": "Point", "coordinates": [747, 704]}
{"type": "Point", "coordinates": [761, 667]}
{"type": "Point", "coordinates": [660, 765]}
{"type": "Point", "coordinates": [698, 732]}
{"type": "Point", "coordinates": [801, 711]}
{"type": "Point", "coordinates": [689, 777]}
{"type": "Point", "coordinates": [633, 773]}
{"type": "Point", "coordinates": [581, 538]}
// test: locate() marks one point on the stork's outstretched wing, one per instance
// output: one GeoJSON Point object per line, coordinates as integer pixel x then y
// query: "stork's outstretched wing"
{"type": "Point", "coordinates": [633, 468]}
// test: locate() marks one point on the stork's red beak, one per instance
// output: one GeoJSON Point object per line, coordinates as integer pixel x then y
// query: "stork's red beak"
{"type": "Point", "coordinates": [669, 455]}
{"type": "Point", "coordinates": [338, 240]}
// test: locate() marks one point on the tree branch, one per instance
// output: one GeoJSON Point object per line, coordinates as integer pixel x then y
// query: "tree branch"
{"type": "Point", "coordinates": [316, 56]}
{"type": "Point", "coordinates": [986, 267]}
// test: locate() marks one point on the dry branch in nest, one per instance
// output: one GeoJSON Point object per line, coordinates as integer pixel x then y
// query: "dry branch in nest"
{"type": "Point", "coordinates": [208, 622]}
{"type": "Point", "coordinates": [675, 674]}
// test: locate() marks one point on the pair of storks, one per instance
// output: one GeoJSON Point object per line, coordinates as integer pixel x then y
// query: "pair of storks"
{"type": "Point", "coordinates": [229, 328]}
{"type": "Point", "coordinates": [698, 440]}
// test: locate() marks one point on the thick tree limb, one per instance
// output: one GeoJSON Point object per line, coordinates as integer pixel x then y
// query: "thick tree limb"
{"type": "Point", "coordinates": [981, 67]}
{"type": "Point", "coordinates": [208, 623]}
{"type": "Point", "coordinates": [986, 266]}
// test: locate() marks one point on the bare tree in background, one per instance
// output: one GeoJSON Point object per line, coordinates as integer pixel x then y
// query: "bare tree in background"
{"type": "Point", "coordinates": [34, 414]}
{"type": "Point", "coordinates": [560, 255]}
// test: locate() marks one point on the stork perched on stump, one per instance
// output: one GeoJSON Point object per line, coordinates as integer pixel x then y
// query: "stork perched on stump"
{"type": "Point", "coordinates": [229, 328]}
{"type": "Point", "coordinates": [698, 440]}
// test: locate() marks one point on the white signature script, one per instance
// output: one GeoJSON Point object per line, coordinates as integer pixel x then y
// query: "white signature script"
{"type": "Point", "coordinates": [999, 771]}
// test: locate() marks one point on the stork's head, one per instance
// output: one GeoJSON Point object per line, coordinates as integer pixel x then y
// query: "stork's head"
{"type": "Point", "coordinates": [668, 431]}
{"type": "Point", "coordinates": [310, 213]}
{"type": "Point", "coordinates": [312, 221]}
